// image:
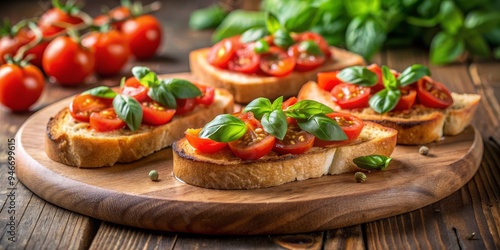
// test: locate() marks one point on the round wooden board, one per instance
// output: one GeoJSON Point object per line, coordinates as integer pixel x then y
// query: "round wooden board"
{"type": "Point", "coordinates": [124, 194]}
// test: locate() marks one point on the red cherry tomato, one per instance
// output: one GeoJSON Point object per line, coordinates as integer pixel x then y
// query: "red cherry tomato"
{"type": "Point", "coordinates": [351, 96]}
{"type": "Point", "coordinates": [208, 95]}
{"type": "Point", "coordinates": [276, 62]}
{"type": "Point", "coordinates": [155, 114]}
{"type": "Point", "coordinates": [118, 13]}
{"type": "Point", "coordinates": [296, 141]}
{"type": "Point", "coordinates": [84, 104]}
{"type": "Point", "coordinates": [105, 120]}
{"type": "Point", "coordinates": [408, 97]}
{"type": "Point", "coordinates": [110, 49]}
{"type": "Point", "coordinates": [144, 34]}
{"type": "Point", "coordinates": [328, 80]}
{"type": "Point", "coordinates": [433, 94]}
{"type": "Point", "coordinates": [256, 142]}
{"type": "Point", "coordinates": [185, 106]}
{"type": "Point", "coordinates": [20, 87]}
{"type": "Point", "coordinates": [67, 62]}
{"type": "Point", "coordinates": [203, 145]}
{"type": "Point", "coordinates": [378, 71]}
{"type": "Point", "coordinates": [289, 102]}
{"type": "Point", "coordinates": [9, 45]}
{"type": "Point", "coordinates": [220, 54]}
{"type": "Point", "coordinates": [304, 60]}
{"type": "Point", "coordinates": [54, 21]}
{"type": "Point", "coordinates": [135, 89]}
{"type": "Point", "coordinates": [323, 44]}
{"type": "Point", "coordinates": [245, 61]}
{"type": "Point", "coordinates": [350, 124]}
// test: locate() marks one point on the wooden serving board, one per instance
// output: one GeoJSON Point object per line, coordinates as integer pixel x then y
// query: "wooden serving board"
{"type": "Point", "coordinates": [124, 194]}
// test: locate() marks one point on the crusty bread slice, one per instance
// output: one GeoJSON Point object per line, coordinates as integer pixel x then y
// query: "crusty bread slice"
{"type": "Point", "coordinates": [246, 88]}
{"type": "Point", "coordinates": [419, 125]}
{"type": "Point", "coordinates": [223, 170]}
{"type": "Point", "coordinates": [72, 143]}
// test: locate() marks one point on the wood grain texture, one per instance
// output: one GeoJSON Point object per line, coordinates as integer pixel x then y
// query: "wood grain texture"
{"type": "Point", "coordinates": [123, 193]}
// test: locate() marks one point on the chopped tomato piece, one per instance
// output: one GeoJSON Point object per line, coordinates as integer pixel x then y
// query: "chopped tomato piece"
{"type": "Point", "coordinates": [105, 120]}
{"type": "Point", "coordinates": [350, 124]}
{"type": "Point", "coordinates": [351, 96]}
{"type": "Point", "coordinates": [277, 62]}
{"type": "Point", "coordinates": [208, 95]}
{"type": "Point", "coordinates": [305, 61]}
{"type": "Point", "coordinates": [185, 105]}
{"type": "Point", "coordinates": [289, 102]}
{"type": "Point", "coordinates": [135, 89]}
{"type": "Point", "coordinates": [220, 54]}
{"type": "Point", "coordinates": [85, 104]}
{"type": "Point", "coordinates": [323, 44]}
{"type": "Point", "coordinates": [256, 142]}
{"type": "Point", "coordinates": [408, 97]}
{"type": "Point", "coordinates": [154, 113]}
{"type": "Point", "coordinates": [433, 94]}
{"type": "Point", "coordinates": [328, 80]}
{"type": "Point", "coordinates": [245, 61]}
{"type": "Point", "coordinates": [296, 141]}
{"type": "Point", "coordinates": [378, 71]}
{"type": "Point", "coordinates": [204, 145]}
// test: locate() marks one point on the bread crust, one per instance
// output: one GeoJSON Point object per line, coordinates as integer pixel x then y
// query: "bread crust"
{"type": "Point", "coordinates": [72, 143]}
{"type": "Point", "coordinates": [246, 88]}
{"type": "Point", "coordinates": [419, 125]}
{"type": "Point", "coordinates": [223, 170]}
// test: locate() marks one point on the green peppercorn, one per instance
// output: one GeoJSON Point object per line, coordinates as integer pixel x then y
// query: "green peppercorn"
{"type": "Point", "coordinates": [153, 175]}
{"type": "Point", "coordinates": [359, 177]}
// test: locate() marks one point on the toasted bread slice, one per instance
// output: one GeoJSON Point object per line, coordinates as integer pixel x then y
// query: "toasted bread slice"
{"type": "Point", "coordinates": [419, 125]}
{"type": "Point", "coordinates": [72, 143]}
{"type": "Point", "coordinates": [223, 170]}
{"type": "Point", "coordinates": [246, 88]}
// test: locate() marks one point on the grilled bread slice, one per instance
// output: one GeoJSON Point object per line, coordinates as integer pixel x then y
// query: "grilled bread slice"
{"type": "Point", "coordinates": [223, 170]}
{"type": "Point", "coordinates": [418, 125]}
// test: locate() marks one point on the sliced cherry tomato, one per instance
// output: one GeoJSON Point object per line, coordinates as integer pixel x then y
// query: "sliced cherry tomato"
{"type": "Point", "coordinates": [185, 105]}
{"type": "Point", "coordinates": [144, 34]}
{"type": "Point", "coordinates": [296, 141]}
{"type": "Point", "coordinates": [350, 124]}
{"type": "Point", "coordinates": [67, 61]}
{"type": "Point", "coordinates": [221, 53]}
{"type": "Point", "coordinates": [20, 87]}
{"type": "Point", "coordinates": [433, 94]}
{"type": "Point", "coordinates": [244, 61]}
{"type": "Point", "coordinates": [204, 145]}
{"type": "Point", "coordinates": [105, 120]}
{"type": "Point", "coordinates": [378, 71]}
{"type": "Point", "coordinates": [277, 62]}
{"type": "Point", "coordinates": [135, 89]}
{"type": "Point", "coordinates": [328, 80]}
{"type": "Point", "coordinates": [351, 96]}
{"type": "Point", "coordinates": [323, 44]}
{"type": "Point", "coordinates": [111, 51]}
{"type": "Point", "coordinates": [84, 104]}
{"type": "Point", "coordinates": [155, 114]}
{"type": "Point", "coordinates": [408, 97]}
{"type": "Point", "coordinates": [305, 61]}
{"type": "Point", "coordinates": [208, 95]}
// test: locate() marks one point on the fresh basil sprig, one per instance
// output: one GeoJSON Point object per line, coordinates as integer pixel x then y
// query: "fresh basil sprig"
{"type": "Point", "coordinates": [129, 110]}
{"type": "Point", "coordinates": [272, 117]}
{"type": "Point", "coordinates": [307, 108]}
{"type": "Point", "coordinates": [372, 162]}
{"type": "Point", "coordinates": [224, 128]}
{"type": "Point", "coordinates": [101, 91]}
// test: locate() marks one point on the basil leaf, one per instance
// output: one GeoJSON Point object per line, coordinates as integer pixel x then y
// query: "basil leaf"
{"type": "Point", "coordinates": [149, 80]}
{"type": "Point", "coordinates": [259, 107]}
{"type": "Point", "coordinates": [101, 91]}
{"type": "Point", "coordinates": [412, 74]}
{"type": "Point", "coordinates": [129, 110]}
{"type": "Point", "coordinates": [237, 22]}
{"type": "Point", "coordinates": [253, 34]}
{"type": "Point", "coordinates": [358, 75]}
{"type": "Point", "coordinates": [283, 39]}
{"type": "Point", "coordinates": [446, 48]}
{"type": "Point", "coordinates": [224, 128]}
{"type": "Point", "coordinates": [298, 16]}
{"type": "Point", "coordinates": [476, 43]}
{"type": "Point", "coordinates": [310, 47]}
{"type": "Point", "coordinates": [372, 162]}
{"type": "Point", "coordinates": [162, 94]}
{"type": "Point", "coordinates": [181, 88]}
{"type": "Point", "coordinates": [385, 100]}
{"type": "Point", "coordinates": [323, 127]}
{"type": "Point", "coordinates": [277, 104]}
{"type": "Point", "coordinates": [261, 46]}
{"type": "Point", "coordinates": [365, 36]}
{"type": "Point", "coordinates": [451, 17]}
{"type": "Point", "coordinates": [275, 123]}
{"type": "Point", "coordinates": [140, 71]}
{"type": "Point", "coordinates": [362, 7]}
{"type": "Point", "coordinates": [307, 108]}
{"type": "Point", "coordinates": [272, 23]}
{"type": "Point", "coordinates": [389, 79]}
{"type": "Point", "coordinates": [206, 18]}
{"type": "Point", "coordinates": [482, 21]}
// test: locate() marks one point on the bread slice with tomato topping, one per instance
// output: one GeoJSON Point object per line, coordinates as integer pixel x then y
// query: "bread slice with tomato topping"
{"type": "Point", "coordinates": [270, 75]}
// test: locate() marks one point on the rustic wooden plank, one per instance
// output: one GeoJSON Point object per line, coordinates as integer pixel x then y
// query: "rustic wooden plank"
{"type": "Point", "coordinates": [345, 238]}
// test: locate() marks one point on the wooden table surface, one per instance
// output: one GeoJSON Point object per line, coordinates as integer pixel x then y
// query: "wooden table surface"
{"type": "Point", "coordinates": [474, 209]}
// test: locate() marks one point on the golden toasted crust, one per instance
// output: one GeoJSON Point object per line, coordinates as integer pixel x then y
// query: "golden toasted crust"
{"type": "Point", "coordinates": [72, 143]}
{"type": "Point", "coordinates": [419, 125]}
{"type": "Point", "coordinates": [223, 170]}
{"type": "Point", "coordinates": [246, 88]}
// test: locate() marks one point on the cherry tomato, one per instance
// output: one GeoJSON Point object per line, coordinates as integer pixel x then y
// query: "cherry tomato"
{"type": "Point", "coordinates": [144, 34]}
{"type": "Point", "coordinates": [289, 102]}
{"type": "Point", "coordinates": [323, 44]}
{"type": "Point", "coordinates": [296, 141]}
{"type": "Point", "coordinates": [203, 145]}
{"type": "Point", "coordinates": [118, 13]}
{"type": "Point", "coordinates": [378, 71]}
{"type": "Point", "coordinates": [245, 61]}
{"type": "Point", "coordinates": [105, 120]}
{"type": "Point", "coordinates": [351, 96]}
{"type": "Point", "coordinates": [54, 21]}
{"type": "Point", "coordinates": [208, 95]}
{"type": "Point", "coordinates": [433, 94]}
{"type": "Point", "coordinates": [256, 142]}
{"type": "Point", "coordinates": [20, 87]}
{"type": "Point", "coordinates": [9, 45]}
{"type": "Point", "coordinates": [221, 53]}
{"type": "Point", "coordinates": [67, 62]}
{"type": "Point", "coordinates": [350, 124]}
{"type": "Point", "coordinates": [110, 49]}
{"type": "Point", "coordinates": [155, 114]}
{"type": "Point", "coordinates": [276, 62]}
{"type": "Point", "coordinates": [135, 89]}
{"type": "Point", "coordinates": [84, 104]}
{"type": "Point", "coordinates": [328, 80]}
{"type": "Point", "coordinates": [185, 105]}
{"type": "Point", "coordinates": [408, 97]}
{"type": "Point", "coordinates": [304, 60]}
